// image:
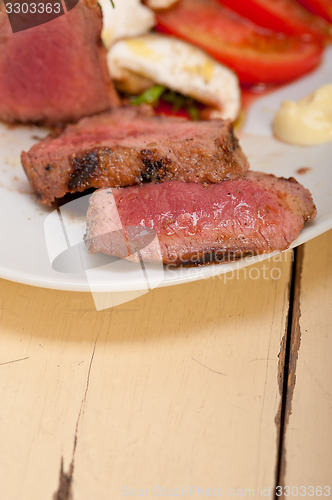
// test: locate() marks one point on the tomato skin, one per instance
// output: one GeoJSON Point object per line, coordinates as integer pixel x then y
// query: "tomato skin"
{"type": "Point", "coordinates": [322, 8]}
{"type": "Point", "coordinates": [284, 16]}
{"type": "Point", "coordinates": [255, 55]}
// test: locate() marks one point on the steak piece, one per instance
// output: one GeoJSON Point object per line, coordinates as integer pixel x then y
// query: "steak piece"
{"type": "Point", "coordinates": [55, 72]}
{"type": "Point", "coordinates": [129, 146]}
{"type": "Point", "coordinates": [197, 224]}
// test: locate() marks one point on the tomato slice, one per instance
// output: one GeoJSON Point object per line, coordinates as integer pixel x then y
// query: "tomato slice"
{"type": "Point", "coordinates": [321, 8]}
{"type": "Point", "coordinates": [284, 16]}
{"type": "Point", "coordinates": [165, 108]}
{"type": "Point", "coordinates": [255, 55]}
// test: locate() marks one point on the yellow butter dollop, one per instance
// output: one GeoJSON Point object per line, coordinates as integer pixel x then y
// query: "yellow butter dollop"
{"type": "Point", "coordinates": [307, 121]}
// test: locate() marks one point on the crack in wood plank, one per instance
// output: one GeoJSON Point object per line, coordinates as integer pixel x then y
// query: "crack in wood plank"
{"type": "Point", "coordinates": [262, 406]}
{"type": "Point", "coordinates": [14, 361]}
{"type": "Point", "coordinates": [288, 355]}
{"type": "Point", "coordinates": [64, 491]}
{"type": "Point", "coordinates": [208, 368]}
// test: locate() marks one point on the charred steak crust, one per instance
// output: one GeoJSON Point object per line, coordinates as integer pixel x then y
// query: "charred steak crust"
{"type": "Point", "coordinates": [129, 146]}
{"type": "Point", "coordinates": [155, 169]}
{"type": "Point", "coordinates": [198, 224]}
{"type": "Point", "coordinates": [85, 167]}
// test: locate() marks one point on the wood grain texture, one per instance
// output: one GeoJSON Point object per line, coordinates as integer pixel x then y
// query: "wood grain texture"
{"type": "Point", "coordinates": [308, 437]}
{"type": "Point", "coordinates": [178, 388]}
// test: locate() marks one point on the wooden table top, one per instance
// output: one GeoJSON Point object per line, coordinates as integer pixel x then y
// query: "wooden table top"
{"type": "Point", "coordinates": [221, 387]}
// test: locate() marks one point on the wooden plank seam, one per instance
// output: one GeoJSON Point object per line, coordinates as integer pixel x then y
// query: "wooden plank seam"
{"type": "Point", "coordinates": [288, 356]}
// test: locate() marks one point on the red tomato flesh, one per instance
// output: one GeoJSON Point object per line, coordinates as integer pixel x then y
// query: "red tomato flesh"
{"type": "Point", "coordinates": [165, 108]}
{"type": "Point", "coordinates": [255, 55]}
{"type": "Point", "coordinates": [321, 8]}
{"type": "Point", "coordinates": [284, 16]}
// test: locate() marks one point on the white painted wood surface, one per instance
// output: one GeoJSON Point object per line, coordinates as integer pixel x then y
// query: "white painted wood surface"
{"type": "Point", "coordinates": [308, 437]}
{"type": "Point", "coordinates": [177, 389]}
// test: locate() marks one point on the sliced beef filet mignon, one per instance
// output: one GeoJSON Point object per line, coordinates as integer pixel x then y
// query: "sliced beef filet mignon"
{"type": "Point", "coordinates": [196, 223]}
{"type": "Point", "coordinates": [56, 72]}
{"type": "Point", "coordinates": [128, 146]}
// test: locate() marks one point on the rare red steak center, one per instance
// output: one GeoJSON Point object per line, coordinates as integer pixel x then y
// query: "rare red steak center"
{"type": "Point", "coordinates": [196, 223]}
{"type": "Point", "coordinates": [55, 72]}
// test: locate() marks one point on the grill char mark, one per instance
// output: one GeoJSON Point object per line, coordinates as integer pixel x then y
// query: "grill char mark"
{"type": "Point", "coordinates": [155, 169]}
{"type": "Point", "coordinates": [84, 169]}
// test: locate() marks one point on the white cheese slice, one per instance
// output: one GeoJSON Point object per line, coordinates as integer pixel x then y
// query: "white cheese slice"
{"type": "Point", "coordinates": [126, 18]}
{"type": "Point", "coordinates": [179, 66]}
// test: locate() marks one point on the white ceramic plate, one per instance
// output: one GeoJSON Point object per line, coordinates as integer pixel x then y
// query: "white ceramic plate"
{"type": "Point", "coordinates": [24, 256]}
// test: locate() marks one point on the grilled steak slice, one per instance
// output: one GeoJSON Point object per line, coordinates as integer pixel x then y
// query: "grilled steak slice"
{"type": "Point", "coordinates": [55, 72]}
{"type": "Point", "coordinates": [196, 223]}
{"type": "Point", "coordinates": [129, 146]}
